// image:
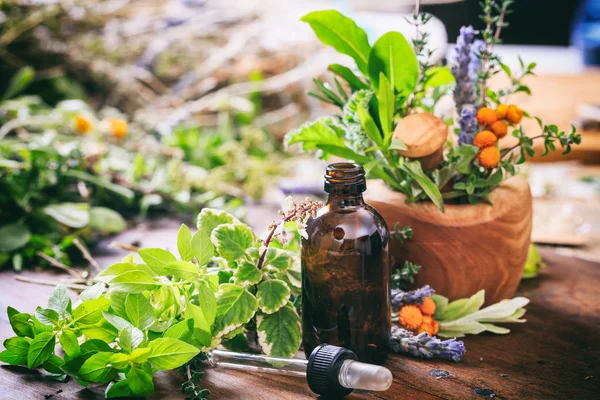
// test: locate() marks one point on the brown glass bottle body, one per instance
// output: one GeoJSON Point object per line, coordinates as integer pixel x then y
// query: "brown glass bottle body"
{"type": "Point", "coordinates": [346, 277]}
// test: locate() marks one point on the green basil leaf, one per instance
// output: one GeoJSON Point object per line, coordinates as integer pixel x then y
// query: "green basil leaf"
{"type": "Point", "coordinates": [21, 324]}
{"type": "Point", "coordinates": [169, 353]}
{"type": "Point", "coordinates": [89, 312]}
{"type": "Point", "coordinates": [59, 300]}
{"type": "Point", "coordinates": [140, 382]}
{"type": "Point", "coordinates": [344, 152]}
{"type": "Point", "coordinates": [70, 344]}
{"type": "Point", "coordinates": [185, 270]}
{"type": "Point", "coordinates": [133, 282]}
{"type": "Point", "coordinates": [118, 389]}
{"type": "Point", "coordinates": [210, 218]}
{"type": "Point", "coordinates": [314, 134]}
{"type": "Point", "coordinates": [235, 307]}
{"type": "Point", "coordinates": [180, 330]}
{"type": "Point", "coordinates": [272, 295]}
{"type": "Point", "coordinates": [116, 321]}
{"type": "Point", "coordinates": [95, 369]}
{"type": "Point", "coordinates": [139, 311]}
{"type": "Point", "coordinates": [184, 243]}
{"type": "Point", "coordinates": [202, 247]}
{"type": "Point", "coordinates": [130, 338]}
{"type": "Point", "coordinates": [393, 56]}
{"type": "Point", "coordinates": [102, 330]}
{"type": "Point", "coordinates": [46, 316]}
{"type": "Point", "coordinates": [279, 334]}
{"type": "Point", "coordinates": [73, 215]}
{"type": "Point", "coordinates": [17, 345]}
{"type": "Point", "coordinates": [232, 240]}
{"type": "Point", "coordinates": [202, 322]}
{"type": "Point", "coordinates": [93, 292]}
{"type": "Point", "coordinates": [40, 349]}
{"type": "Point", "coordinates": [14, 236]}
{"type": "Point", "coordinates": [9, 357]}
{"type": "Point", "coordinates": [156, 258]}
{"type": "Point", "coordinates": [120, 268]}
{"type": "Point", "coordinates": [342, 33]}
{"type": "Point", "coordinates": [54, 365]}
{"type": "Point", "coordinates": [140, 355]}
{"type": "Point", "coordinates": [106, 220]}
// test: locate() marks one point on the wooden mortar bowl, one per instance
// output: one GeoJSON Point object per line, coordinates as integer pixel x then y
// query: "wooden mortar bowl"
{"type": "Point", "coordinates": [466, 248]}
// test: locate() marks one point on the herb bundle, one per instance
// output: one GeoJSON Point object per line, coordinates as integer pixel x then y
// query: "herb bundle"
{"type": "Point", "coordinates": [387, 104]}
{"type": "Point", "coordinates": [158, 314]}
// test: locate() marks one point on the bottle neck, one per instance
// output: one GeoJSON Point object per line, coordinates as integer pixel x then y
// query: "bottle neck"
{"type": "Point", "coordinates": [338, 200]}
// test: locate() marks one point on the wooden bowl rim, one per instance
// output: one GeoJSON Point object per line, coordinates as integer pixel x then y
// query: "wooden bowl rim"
{"type": "Point", "coordinates": [503, 198]}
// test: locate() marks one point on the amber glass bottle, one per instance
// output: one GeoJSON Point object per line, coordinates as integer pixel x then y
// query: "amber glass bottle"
{"type": "Point", "coordinates": [345, 270]}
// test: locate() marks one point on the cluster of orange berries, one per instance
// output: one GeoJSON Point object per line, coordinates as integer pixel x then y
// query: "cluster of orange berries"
{"type": "Point", "coordinates": [118, 127]}
{"type": "Point", "coordinates": [496, 122]}
{"type": "Point", "coordinates": [418, 318]}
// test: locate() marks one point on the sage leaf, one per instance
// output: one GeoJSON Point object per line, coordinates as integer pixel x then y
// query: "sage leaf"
{"type": "Point", "coordinates": [184, 243]}
{"type": "Point", "coordinates": [415, 171]}
{"type": "Point", "coordinates": [247, 274]}
{"type": "Point", "coordinates": [14, 236]}
{"type": "Point", "coordinates": [272, 295]}
{"type": "Point", "coordinates": [139, 311]}
{"type": "Point", "coordinates": [279, 334]}
{"type": "Point", "coordinates": [95, 368]}
{"type": "Point", "coordinates": [235, 307]}
{"type": "Point", "coordinates": [336, 30]}
{"type": "Point", "coordinates": [133, 282]}
{"type": "Point", "coordinates": [40, 349]}
{"type": "Point", "coordinates": [370, 126]}
{"type": "Point", "coordinates": [169, 353]}
{"type": "Point", "coordinates": [156, 257]}
{"type": "Point", "coordinates": [140, 382]}
{"type": "Point", "coordinates": [202, 247]}
{"type": "Point", "coordinates": [210, 218]}
{"type": "Point", "coordinates": [393, 56]}
{"type": "Point", "coordinates": [232, 240]}
{"type": "Point", "coordinates": [73, 215]}
{"type": "Point", "coordinates": [89, 312]}
{"type": "Point", "coordinates": [387, 107]}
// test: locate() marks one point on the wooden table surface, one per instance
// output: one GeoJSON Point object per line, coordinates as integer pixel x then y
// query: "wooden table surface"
{"type": "Point", "coordinates": [555, 355]}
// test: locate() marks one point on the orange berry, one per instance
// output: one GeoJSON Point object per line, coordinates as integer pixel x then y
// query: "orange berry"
{"type": "Point", "coordinates": [489, 157]}
{"type": "Point", "coordinates": [514, 114]}
{"type": "Point", "coordinates": [410, 317]}
{"type": "Point", "coordinates": [118, 127]}
{"type": "Point", "coordinates": [430, 326]}
{"type": "Point", "coordinates": [82, 124]}
{"type": "Point", "coordinates": [501, 111]}
{"type": "Point", "coordinates": [485, 139]}
{"type": "Point", "coordinates": [428, 306]}
{"type": "Point", "coordinates": [499, 128]}
{"type": "Point", "coordinates": [486, 116]}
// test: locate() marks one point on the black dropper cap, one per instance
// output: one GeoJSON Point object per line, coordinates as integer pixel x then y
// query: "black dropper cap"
{"type": "Point", "coordinates": [323, 370]}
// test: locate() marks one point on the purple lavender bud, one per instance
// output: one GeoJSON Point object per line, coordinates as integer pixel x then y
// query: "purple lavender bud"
{"type": "Point", "coordinates": [468, 125]}
{"type": "Point", "coordinates": [475, 64]}
{"type": "Point", "coordinates": [425, 346]}
{"type": "Point", "coordinates": [461, 60]}
{"type": "Point", "coordinates": [401, 298]}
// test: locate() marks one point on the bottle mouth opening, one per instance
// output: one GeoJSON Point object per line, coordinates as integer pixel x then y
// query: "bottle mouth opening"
{"type": "Point", "coordinates": [345, 177]}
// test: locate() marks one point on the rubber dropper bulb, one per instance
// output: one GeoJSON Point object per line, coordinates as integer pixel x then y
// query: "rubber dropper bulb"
{"type": "Point", "coordinates": [358, 375]}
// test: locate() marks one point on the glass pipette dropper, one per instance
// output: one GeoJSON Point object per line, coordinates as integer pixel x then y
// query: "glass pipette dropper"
{"type": "Point", "coordinates": [329, 370]}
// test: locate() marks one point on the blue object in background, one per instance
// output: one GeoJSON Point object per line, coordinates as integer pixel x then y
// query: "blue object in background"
{"type": "Point", "coordinates": [586, 31]}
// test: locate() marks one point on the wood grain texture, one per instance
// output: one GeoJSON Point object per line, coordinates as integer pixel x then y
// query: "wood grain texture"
{"type": "Point", "coordinates": [466, 248]}
{"type": "Point", "coordinates": [552, 356]}
{"type": "Point", "coordinates": [424, 135]}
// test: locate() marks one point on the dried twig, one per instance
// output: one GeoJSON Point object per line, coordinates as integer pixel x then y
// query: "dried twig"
{"type": "Point", "coordinates": [124, 246]}
{"type": "Point", "coordinates": [57, 264]}
{"type": "Point", "coordinates": [51, 283]}
{"type": "Point", "coordinates": [86, 254]}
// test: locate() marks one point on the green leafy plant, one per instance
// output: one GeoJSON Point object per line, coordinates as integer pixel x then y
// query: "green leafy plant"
{"type": "Point", "coordinates": [394, 79]}
{"type": "Point", "coordinates": [158, 314]}
{"type": "Point", "coordinates": [465, 316]}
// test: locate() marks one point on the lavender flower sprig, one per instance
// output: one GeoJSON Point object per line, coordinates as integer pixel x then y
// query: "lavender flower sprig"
{"type": "Point", "coordinates": [468, 125]}
{"type": "Point", "coordinates": [401, 298]}
{"type": "Point", "coordinates": [465, 67]}
{"type": "Point", "coordinates": [425, 346]}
